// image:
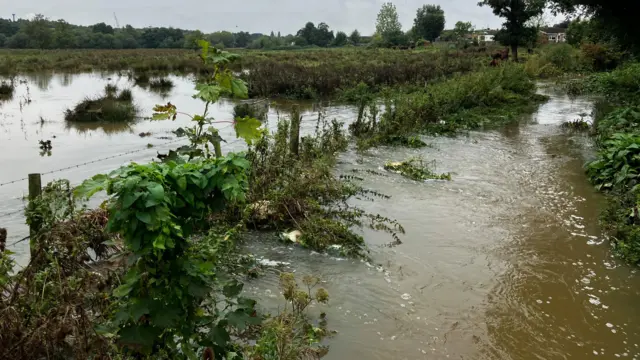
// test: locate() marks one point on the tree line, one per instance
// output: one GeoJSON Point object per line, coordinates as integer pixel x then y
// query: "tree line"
{"type": "Point", "coordinates": [43, 33]}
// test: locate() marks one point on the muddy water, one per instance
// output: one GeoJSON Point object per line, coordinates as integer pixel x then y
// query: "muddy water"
{"type": "Point", "coordinates": [36, 112]}
{"type": "Point", "coordinates": [505, 262]}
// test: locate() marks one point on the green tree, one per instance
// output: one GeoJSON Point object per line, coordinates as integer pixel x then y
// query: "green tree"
{"type": "Point", "coordinates": [429, 22]}
{"type": "Point", "coordinates": [462, 29]}
{"type": "Point", "coordinates": [516, 13]}
{"type": "Point", "coordinates": [8, 27]}
{"type": "Point", "coordinates": [323, 36]}
{"type": "Point", "coordinates": [243, 39]}
{"type": "Point", "coordinates": [308, 33]}
{"type": "Point", "coordinates": [18, 41]}
{"type": "Point", "coordinates": [102, 28]}
{"type": "Point", "coordinates": [38, 31]}
{"type": "Point", "coordinates": [341, 39]}
{"type": "Point", "coordinates": [355, 37]}
{"type": "Point", "coordinates": [63, 36]}
{"type": "Point", "coordinates": [3, 40]}
{"type": "Point", "coordinates": [387, 24]}
{"type": "Point", "coordinates": [191, 39]}
{"type": "Point", "coordinates": [618, 16]}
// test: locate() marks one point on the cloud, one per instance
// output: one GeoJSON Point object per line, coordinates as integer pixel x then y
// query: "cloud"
{"type": "Point", "coordinates": [286, 16]}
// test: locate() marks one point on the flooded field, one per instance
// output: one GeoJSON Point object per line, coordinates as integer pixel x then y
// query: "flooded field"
{"type": "Point", "coordinates": [36, 112]}
{"type": "Point", "coordinates": [504, 262]}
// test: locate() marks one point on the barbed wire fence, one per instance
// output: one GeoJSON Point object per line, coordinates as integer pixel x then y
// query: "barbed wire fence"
{"type": "Point", "coordinates": [308, 120]}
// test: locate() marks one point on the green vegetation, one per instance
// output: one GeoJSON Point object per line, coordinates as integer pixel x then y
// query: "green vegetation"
{"type": "Point", "coordinates": [161, 84]}
{"type": "Point", "coordinates": [415, 169]}
{"type": "Point", "coordinates": [6, 89]}
{"type": "Point", "coordinates": [429, 22]}
{"type": "Point", "coordinates": [178, 296]}
{"type": "Point", "coordinates": [615, 169]}
{"type": "Point", "coordinates": [516, 30]}
{"type": "Point", "coordinates": [111, 107]}
{"type": "Point", "coordinates": [471, 101]}
{"type": "Point", "coordinates": [313, 74]}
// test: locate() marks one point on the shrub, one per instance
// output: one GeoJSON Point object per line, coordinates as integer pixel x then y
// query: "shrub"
{"type": "Point", "coordinates": [6, 89]}
{"type": "Point", "coordinates": [465, 102]}
{"type": "Point", "coordinates": [161, 84]}
{"type": "Point", "coordinates": [415, 169]}
{"type": "Point", "coordinates": [601, 57]}
{"type": "Point", "coordinates": [619, 85]}
{"type": "Point", "coordinates": [562, 56]}
{"type": "Point", "coordinates": [617, 163]}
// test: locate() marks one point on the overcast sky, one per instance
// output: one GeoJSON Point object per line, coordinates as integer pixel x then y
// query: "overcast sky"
{"type": "Point", "coordinates": [286, 16]}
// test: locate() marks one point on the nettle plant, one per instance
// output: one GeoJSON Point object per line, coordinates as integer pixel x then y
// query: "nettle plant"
{"type": "Point", "coordinates": [173, 301]}
{"type": "Point", "coordinates": [218, 82]}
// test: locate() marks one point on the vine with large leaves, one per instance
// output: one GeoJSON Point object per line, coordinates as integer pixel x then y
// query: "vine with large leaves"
{"type": "Point", "coordinates": [218, 81]}
{"type": "Point", "coordinates": [170, 300]}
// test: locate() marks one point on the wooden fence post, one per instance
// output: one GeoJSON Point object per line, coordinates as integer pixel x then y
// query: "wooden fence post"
{"type": "Point", "coordinates": [35, 189]}
{"type": "Point", "coordinates": [294, 136]}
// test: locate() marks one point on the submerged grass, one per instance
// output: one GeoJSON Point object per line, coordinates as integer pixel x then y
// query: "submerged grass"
{"type": "Point", "coordinates": [485, 98]}
{"type": "Point", "coordinates": [298, 190]}
{"type": "Point", "coordinates": [415, 169]}
{"type": "Point", "coordinates": [6, 88]}
{"type": "Point", "coordinates": [111, 107]}
{"type": "Point", "coordinates": [616, 168]}
{"type": "Point", "coordinates": [162, 84]}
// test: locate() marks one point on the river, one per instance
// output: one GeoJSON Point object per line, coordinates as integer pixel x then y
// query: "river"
{"type": "Point", "coordinates": [507, 261]}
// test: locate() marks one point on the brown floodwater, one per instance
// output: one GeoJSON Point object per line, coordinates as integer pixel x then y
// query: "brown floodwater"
{"type": "Point", "coordinates": [507, 261]}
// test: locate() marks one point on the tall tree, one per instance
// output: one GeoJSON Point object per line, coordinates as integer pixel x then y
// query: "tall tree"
{"type": "Point", "coordinates": [243, 39]}
{"type": "Point", "coordinates": [63, 37]}
{"type": "Point", "coordinates": [38, 31]}
{"type": "Point", "coordinates": [620, 17]}
{"type": "Point", "coordinates": [102, 28]}
{"type": "Point", "coordinates": [341, 39]}
{"type": "Point", "coordinates": [308, 33]}
{"type": "Point", "coordinates": [355, 37]}
{"type": "Point", "coordinates": [429, 22]}
{"type": "Point", "coordinates": [387, 22]}
{"type": "Point", "coordinates": [517, 13]}
{"type": "Point", "coordinates": [462, 29]}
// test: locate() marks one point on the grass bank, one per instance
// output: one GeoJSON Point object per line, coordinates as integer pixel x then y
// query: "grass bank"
{"type": "Point", "coordinates": [489, 97]}
{"type": "Point", "coordinates": [616, 168]}
{"type": "Point", "coordinates": [113, 106]}
{"type": "Point", "coordinates": [304, 74]}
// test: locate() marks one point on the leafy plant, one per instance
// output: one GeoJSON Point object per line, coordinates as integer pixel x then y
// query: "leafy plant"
{"type": "Point", "coordinates": [289, 335]}
{"type": "Point", "coordinates": [415, 169]}
{"type": "Point", "coordinates": [219, 82]}
{"type": "Point", "coordinates": [617, 163]}
{"type": "Point", "coordinates": [167, 297]}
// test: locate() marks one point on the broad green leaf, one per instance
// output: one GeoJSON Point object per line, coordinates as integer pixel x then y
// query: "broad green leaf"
{"type": "Point", "coordinates": [240, 319]}
{"type": "Point", "coordinates": [160, 116]}
{"type": "Point", "coordinates": [208, 92]}
{"type": "Point", "coordinates": [137, 310]}
{"type": "Point", "coordinates": [187, 350]}
{"type": "Point", "coordinates": [158, 243]}
{"type": "Point", "coordinates": [129, 198]}
{"type": "Point", "coordinates": [90, 187]}
{"type": "Point", "coordinates": [122, 290]}
{"type": "Point", "coordinates": [145, 217]}
{"type": "Point", "coordinates": [239, 88]}
{"type": "Point", "coordinates": [139, 335]}
{"type": "Point", "coordinates": [248, 129]}
{"type": "Point", "coordinates": [232, 288]}
{"type": "Point", "coordinates": [164, 316]}
{"type": "Point", "coordinates": [156, 191]}
{"type": "Point", "coordinates": [241, 162]}
{"type": "Point", "coordinates": [219, 335]}
{"type": "Point", "coordinates": [182, 183]}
